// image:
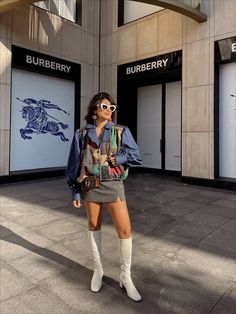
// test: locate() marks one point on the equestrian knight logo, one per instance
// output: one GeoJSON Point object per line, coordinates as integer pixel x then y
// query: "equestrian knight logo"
{"type": "Point", "coordinates": [35, 113]}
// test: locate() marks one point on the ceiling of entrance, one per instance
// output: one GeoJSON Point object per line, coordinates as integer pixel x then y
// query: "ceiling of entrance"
{"type": "Point", "coordinates": [190, 8]}
{"type": "Point", "coordinates": [9, 4]}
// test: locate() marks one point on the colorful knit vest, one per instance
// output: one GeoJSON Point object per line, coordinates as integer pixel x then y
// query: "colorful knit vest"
{"type": "Point", "coordinates": [94, 160]}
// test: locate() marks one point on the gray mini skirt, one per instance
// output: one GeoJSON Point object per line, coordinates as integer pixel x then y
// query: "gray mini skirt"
{"type": "Point", "coordinates": [108, 192]}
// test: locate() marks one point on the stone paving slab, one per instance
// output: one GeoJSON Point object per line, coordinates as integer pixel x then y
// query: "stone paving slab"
{"type": "Point", "coordinates": [37, 267]}
{"type": "Point", "coordinates": [12, 282]}
{"type": "Point", "coordinates": [222, 239]}
{"type": "Point", "coordinates": [17, 234]}
{"type": "Point", "coordinates": [230, 226]}
{"type": "Point", "coordinates": [59, 229]}
{"type": "Point", "coordinates": [36, 301]}
{"type": "Point", "coordinates": [60, 253]}
{"type": "Point", "coordinates": [166, 244]}
{"type": "Point", "coordinates": [227, 303]}
{"type": "Point", "coordinates": [79, 242]}
{"type": "Point", "coordinates": [231, 196]}
{"type": "Point", "coordinates": [59, 202]}
{"type": "Point", "coordinates": [193, 288]}
{"type": "Point", "coordinates": [14, 211]}
{"type": "Point", "coordinates": [225, 202]}
{"type": "Point", "coordinates": [153, 220]}
{"type": "Point", "coordinates": [10, 250]}
{"type": "Point", "coordinates": [179, 191]}
{"type": "Point", "coordinates": [183, 250]}
{"type": "Point", "coordinates": [205, 197]}
{"type": "Point", "coordinates": [185, 206]}
{"type": "Point", "coordinates": [220, 211]}
{"type": "Point", "coordinates": [35, 220]}
{"type": "Point", "coordinates": [206, 258]}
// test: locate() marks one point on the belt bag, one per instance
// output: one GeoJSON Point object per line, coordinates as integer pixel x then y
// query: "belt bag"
{"type": "Point", "coordinates": [90, 182]}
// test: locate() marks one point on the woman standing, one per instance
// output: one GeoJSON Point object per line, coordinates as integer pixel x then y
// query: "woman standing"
{"type": "Point", "coordinates": [98, 163]}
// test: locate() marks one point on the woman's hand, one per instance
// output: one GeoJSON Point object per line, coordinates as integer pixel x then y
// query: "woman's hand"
{"type": "Point", "coordinates": [112, 159]}
{"type": "Point", "coordinates": [76, 203]}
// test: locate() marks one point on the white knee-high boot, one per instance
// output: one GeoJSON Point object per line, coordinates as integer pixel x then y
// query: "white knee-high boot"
{"type": "Point", "coordinates": [95, 240]}
{"type": "Point", "coordinates": [125, 249]}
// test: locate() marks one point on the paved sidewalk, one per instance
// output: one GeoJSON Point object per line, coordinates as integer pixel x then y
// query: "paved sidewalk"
{"type": "Point", "coordinates": [184, 250]}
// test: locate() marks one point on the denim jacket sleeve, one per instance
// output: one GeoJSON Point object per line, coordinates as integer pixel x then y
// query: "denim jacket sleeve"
{"type": "Point", "coordinates": [73, 167]}
{"type": "Point", "coordinates": [129, 152]}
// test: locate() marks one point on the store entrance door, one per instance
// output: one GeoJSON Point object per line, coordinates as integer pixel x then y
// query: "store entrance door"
{"type": "Point", "coordinates": [227, 121]}
{"type": "Point", "coordinates": [159, 125]}
{"type": "Point", "coordinates": [149, 124]}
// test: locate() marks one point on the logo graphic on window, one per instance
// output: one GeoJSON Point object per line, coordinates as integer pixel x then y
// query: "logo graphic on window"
{"type": "Point", "coordinates": [38, 120]}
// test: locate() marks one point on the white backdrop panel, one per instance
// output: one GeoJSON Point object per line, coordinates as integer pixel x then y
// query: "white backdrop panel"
{"type": "Point", "coordinates": [44, 150]}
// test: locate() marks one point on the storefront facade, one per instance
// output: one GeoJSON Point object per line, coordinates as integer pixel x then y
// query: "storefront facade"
{"type": "Point", "coordinates": [149, 98]}
{"type": "Point", "coordinates": [201, 154]}
{"type": "Point", "coordinates": [49, 71]}
{"type": "Point", "coordinates": [42, 127]}
{"type": "Point", "coordinates": [180, 113]}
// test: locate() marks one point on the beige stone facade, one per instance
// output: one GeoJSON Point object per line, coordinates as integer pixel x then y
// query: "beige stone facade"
{"type": "Point", "coordinates": [156, 34]}
{"type": "Point", "coordinates": [167, 31]}
{"type": "Point", "coordinates": [33, 28]}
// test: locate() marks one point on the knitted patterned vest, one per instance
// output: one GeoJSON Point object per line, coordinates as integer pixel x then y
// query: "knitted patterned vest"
{"type": "Point", "coordinates": [94, 160]}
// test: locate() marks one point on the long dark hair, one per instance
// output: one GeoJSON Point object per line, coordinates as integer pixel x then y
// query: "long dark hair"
{"type": "Point", "coordinates": [96, 100]}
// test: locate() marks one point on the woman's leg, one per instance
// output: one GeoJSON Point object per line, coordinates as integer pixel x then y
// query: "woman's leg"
{"type": "Point", "coordinates": [120, 217]}
{"type": "Point", "coordinates": [94, 213]}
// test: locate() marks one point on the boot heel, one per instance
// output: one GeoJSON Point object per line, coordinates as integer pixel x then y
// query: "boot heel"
{"type": "Point", "coordinates": [121, 285]}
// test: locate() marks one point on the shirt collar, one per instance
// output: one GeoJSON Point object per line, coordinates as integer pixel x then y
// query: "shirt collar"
{"type": "Point", "coordinates": [92, 132]}
{"type": "Point", "coordinates": [93, 126]}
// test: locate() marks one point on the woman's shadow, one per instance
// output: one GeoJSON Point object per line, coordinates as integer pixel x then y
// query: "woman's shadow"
{"type": "Point", "coordinates": [85, 274]}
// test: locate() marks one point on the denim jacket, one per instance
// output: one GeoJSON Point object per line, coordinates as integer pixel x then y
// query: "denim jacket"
{"type": "Point", "coordinates": [128, 153]}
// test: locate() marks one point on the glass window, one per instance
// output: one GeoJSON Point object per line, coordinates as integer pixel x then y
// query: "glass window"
{"type": "Point", "coordinates": [69, 9]}
{"type": "Point", "coordinates": [132, 10]}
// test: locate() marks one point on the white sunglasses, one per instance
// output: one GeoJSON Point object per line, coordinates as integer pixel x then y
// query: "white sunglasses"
{"type": "Point", "coordinates": [107, 107]}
